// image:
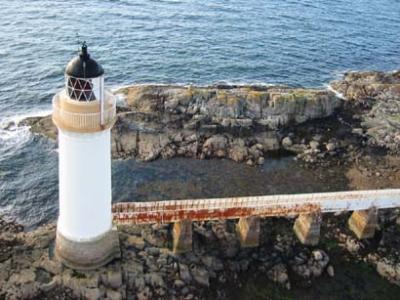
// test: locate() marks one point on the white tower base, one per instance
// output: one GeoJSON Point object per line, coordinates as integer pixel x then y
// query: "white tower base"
{"type": "Point", "coordinates": [85, 239]}
{"type": "Point", "coordinates": [88, 255]}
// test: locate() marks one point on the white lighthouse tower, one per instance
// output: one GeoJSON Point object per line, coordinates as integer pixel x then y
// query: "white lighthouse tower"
{"type": "Point", "coordinates": [84, 113]}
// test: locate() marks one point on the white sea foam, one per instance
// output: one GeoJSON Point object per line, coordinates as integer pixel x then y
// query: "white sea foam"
{"type": "Point", "coordinates": [13, 134]}
{"type": "Point", "coordinates": [35, 113]}
{"type": "Point", "coordinates": [13, 138]}
{"type": "Point", "coordinates": [338, 94]}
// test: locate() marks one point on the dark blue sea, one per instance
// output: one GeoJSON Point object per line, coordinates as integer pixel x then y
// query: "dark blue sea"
{"type": "Point", "coordinates": [294, 42]}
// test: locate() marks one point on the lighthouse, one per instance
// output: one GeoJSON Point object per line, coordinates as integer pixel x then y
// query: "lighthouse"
{"type": "Point", "coordinates": [84, 113]}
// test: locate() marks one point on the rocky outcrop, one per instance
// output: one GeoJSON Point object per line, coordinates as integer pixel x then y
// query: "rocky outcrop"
{"type": "Point", "coordinates": [149, 269]}
{"type": "Point", "coordinates": [377, 94]}
{"type": "Point", "coordinates": [382, 124]}
{"type": "Point", "coordinates": [387, 268]}
{"type": "Point", "coordinates": [363, 86]}
{"type": "Point", "coordinates": [41, 125]}
{"type": "Point", "coordinates": [311, 266]}
{"type": "Point", "coordinates": [241, 123]}
{"type": "Point", "coordinates": [233, 106]}
{"type": "Point", "coordinates": [246, 123]}
{"type": "Point", "coordinates": [381, 252]}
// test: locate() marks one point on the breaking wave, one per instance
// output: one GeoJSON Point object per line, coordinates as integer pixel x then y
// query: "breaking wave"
{"type": "Point", "coordinates": [14, 134]}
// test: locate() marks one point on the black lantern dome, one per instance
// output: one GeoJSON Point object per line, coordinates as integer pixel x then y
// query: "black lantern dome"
{"type": "Point", "coordinates": [84, 77]}
{"type": "Point", "coordinates": [83, 66]}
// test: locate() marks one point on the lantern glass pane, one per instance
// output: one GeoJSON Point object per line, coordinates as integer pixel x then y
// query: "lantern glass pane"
{"type": "Point", "coordinates": [80, 89]}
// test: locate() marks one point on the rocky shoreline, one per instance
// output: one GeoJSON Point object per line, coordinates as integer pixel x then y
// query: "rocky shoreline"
{"type": "Point", "coordinates": [249, 123]}
{"type": "Point", "coordinates": [148, 269]}
{"type": "Point", "coordinates": [240, 123]}
{"type": "Point", "coordinates": [355, 128]}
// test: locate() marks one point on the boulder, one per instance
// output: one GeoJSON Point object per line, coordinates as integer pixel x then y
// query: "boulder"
{"type": "Point", "coordinates": [150, 145]}
{"type": "Point", "coordinates": [114, 279]}
{"type": "Point", "coordinates": [287, 142]}
{"type": "Point", "coordinates": [201, 276]}
{"type": "Point", "coordinates": [136, 241]}
{"type": "Point", "coordinates": [238, 153]}
{"type": "Point", "coordinates": [155, 280]}
{"type": "Point", "coordinates": [215, 146]}
{"type": "Point", "coordinates": [184, 273]}
{"type": "Point", "coordinates": [278, 274]}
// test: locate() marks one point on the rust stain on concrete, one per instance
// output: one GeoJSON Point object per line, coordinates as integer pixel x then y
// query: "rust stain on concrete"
{"type": "Point", "coordinates": [264, 206]}
{"type": "Point", "coordinates": [156, 212]}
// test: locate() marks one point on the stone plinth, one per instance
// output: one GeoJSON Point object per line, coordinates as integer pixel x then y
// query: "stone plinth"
{"type": "Point", "coordinates": [88, 255]}
{"type": "Point", "coordinates": [307, 228]}
{"type": "Point", "coordinates": [364, 222]}
{"type": "Point", "coordinates": [248, 231]}
{"type": "Point", "coordinates": [182, 236]}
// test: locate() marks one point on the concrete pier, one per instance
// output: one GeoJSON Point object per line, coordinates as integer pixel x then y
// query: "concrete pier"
{"type": "Point", "coordinates": [248, 231]}
{"type": "Point", "coordinates": [171, 211]}
{"type": "Point", "coordinates": [364, 223]}
{"type": "Point", "coordinates": [182, 236]}
{"type": "Point", "coordinates": [307, 228]}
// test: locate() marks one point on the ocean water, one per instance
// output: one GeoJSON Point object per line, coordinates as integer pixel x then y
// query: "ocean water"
{"type": "Point", "coordinates": [295, 42]}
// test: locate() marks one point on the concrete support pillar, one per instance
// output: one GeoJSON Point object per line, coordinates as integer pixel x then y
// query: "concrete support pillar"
{"type": "Point", "coordinates": [248, 231]}
{"type": "Point", "coordinates": [307, 228]}
{"type": "Point", "coordinates": [364, 222]}
{"type": "Point", "coordinates": [182, 236]}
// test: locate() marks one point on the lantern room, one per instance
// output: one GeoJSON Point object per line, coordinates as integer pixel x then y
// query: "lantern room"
{"type": "Point", "coordinates": [84, 105]}
{"type": "Point", "coordinates": [84, 77]}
